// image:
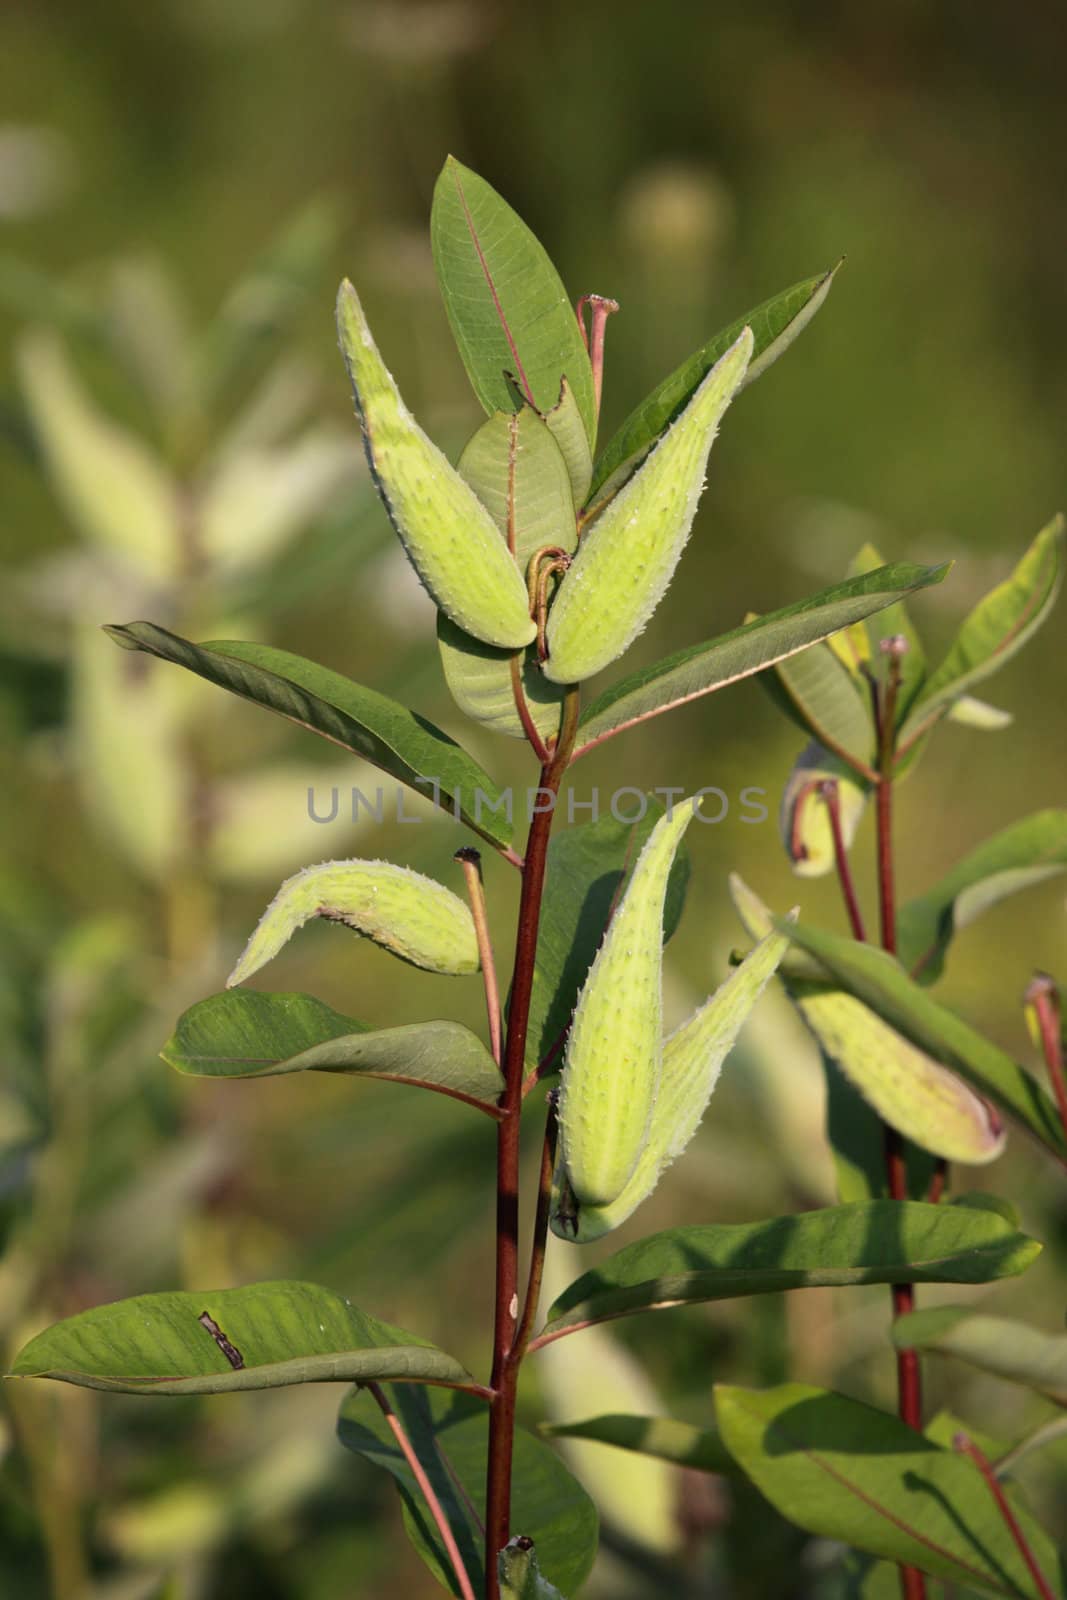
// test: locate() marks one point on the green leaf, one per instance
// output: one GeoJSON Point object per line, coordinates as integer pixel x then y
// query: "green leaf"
{"type": "Point", "coordinates": [280, 1333]}
{"type": "Point", "coordinates": [775, 324]}
{"type": "Point", "coordinates": [881, 983]}
{"type": "Point", "coordinates": [507, 306]}
{"type": "Point", "coordinates": [248, 1034]}
{"type": "Point", "coordinates": [450, 1434]}
{"type": "Point", "coordinates": [1026, 853]}
{"type": "Point", "coordinates": [564, 423]}
{"type": "Point", "coordinates": [997, 1345]}
{"type": "Point", "coordinates": [515, 467]}
{"type": "Point", "coordinates": [819, 693]}
{"type": "Point", "coordinates": [679, 1442]}
{"type": "Point", "coordinates": [842, 1470]}
{"type": "Point", "coordinates": [996, 630]}
{"type": "Point", "coordinates": [804, 815]}
{"type": "Point", "coordinates": [588, 867]}
{"type": "Point", "coordinates": [387, 734]}
{"type": "Point", "coordinates": [857, 1138]}
{"type": "Point", "coordinates": [702, 668]}
{"type": "Point", "coordinates": [884, 1241]}
{"type": "Point", "coordinates": [970, 712]}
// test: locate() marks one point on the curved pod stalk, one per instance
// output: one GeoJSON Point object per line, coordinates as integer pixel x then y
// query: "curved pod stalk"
{"type": "Point", "coordinates": [627, 558]}
{"type": "Point", "coordinates": [450, 538]}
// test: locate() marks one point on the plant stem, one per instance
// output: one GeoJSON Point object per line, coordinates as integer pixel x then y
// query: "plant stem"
{"type": "Point", "coordinates": [967, 1447]}
{"type": "Point", "coordinates": [1044, 997]}
{"type": "Point", "coordinates": [540, 1235]}
{"type": "Point", "coordinates": [601, 308]}
{"type": "Point", "coordinates": [909, 1376]}
{"type": "Point", "coordinates": [504, 1380]}
{"type": "Point", "coordinates": [829, 791]}
{"type": "Point", "coordinates": [426, 1489]}
{"type": "Point", "coordinates": [471, 862]}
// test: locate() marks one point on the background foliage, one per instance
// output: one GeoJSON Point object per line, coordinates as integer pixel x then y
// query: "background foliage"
{"type": "Point", "coordinates": [688, 164]}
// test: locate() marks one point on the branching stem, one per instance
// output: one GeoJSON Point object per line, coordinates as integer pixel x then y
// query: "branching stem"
{"type": "Point", "coordinates": [471, 862]}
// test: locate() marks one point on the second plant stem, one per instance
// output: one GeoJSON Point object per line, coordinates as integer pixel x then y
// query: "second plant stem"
{"type": "Point", "coordinates": [507, 1346]}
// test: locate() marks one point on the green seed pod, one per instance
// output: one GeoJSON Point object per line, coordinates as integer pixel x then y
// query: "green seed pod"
{"type": "Point", "coordinates": [614, 1053]}
{"type": "Point", "coordinates": [520, 1576]}
{"type": "Point", "coordinates": [804, 817]}
{"type": "Point", "coordinates": [449, 536]}
{"type": "Point", "coordinates": [627, 557]}
{"type": "Point", "coordinates": [914, 1093]}
{"type": "Point", "coordinates": [692, 1060]}
{"type": "Point", "coordinates": [415, 917]}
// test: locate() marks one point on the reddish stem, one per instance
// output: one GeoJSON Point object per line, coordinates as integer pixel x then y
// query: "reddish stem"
{"type": "Point", "coordinates": [829, 791]}
{"type": "Point", "coordinates": [601, 308]}
{"type": "Point", "coordinates": [504, 1380]}
{"type": "Point", "coordinates": [967, 1447]}
{"type": "Point", "coordinates": [426, 1489]}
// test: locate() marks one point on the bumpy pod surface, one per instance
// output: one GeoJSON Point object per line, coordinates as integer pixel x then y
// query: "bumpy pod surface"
{"type": "Point", "coordinates": [411, 915]}
{"type": "Point", "coordinates": [692, 1061]}
{"type": "Point", "coordinates": [450, 538]}
{"type": "Point", "coordinates": [627, 557]}
{"type": "Point", "coordinates": [912, 1091]}
{"type": "Point", "coordinates": [614, 1053]}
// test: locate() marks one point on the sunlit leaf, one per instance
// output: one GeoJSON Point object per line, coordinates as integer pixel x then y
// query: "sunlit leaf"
{"type": "Point", "coordinates": [997, 1345]}
{"type": "Point", "coordinates": [842, 1470]}
{"type": "Point", "coordinates": [248, 1034]}
{"type": "Point", "coordinates": [702, 668]}
{"type": "Point", "coordinates": [509, 311]}
{"type": "Point", "coordinates": [883, 1241]}
{"type": "Point", "coordinates": [263, 1336]}
{"type": "Point", "coordinates": [386, 734]}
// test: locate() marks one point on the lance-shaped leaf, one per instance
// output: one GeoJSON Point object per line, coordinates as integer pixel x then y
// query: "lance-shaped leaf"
{"type": "Point", "coordinates": [880, 982]}
{"type": "Point", "coordinates": [614, 1053]}
{"type": "Point", "coordinates": [842, 1470]}
{"type": "Point", "coordinates": [627, 558]}
{"type": "Point", "coordinates": [881, 1241]}
{"type": "Point", "coordinates": [450, 538]}
{"type": "Point", "coordinates": [996, 630]}
{"type": "Point", "coordinates": [681, 1443]}
{"type": "Point", "coordinates": [703, 668]}
{"type": "Point", "coordinates": [248, 1034]}
{"type": "Point", "coordinates": [515, 467]}
{"type": "Point", "coordinates": [692, 1061]}
{"type": "Point", "coordinates": [520, 1574]}
{"type": "Point", "coordinates": [775, 324]}
{"type": "Point", "coordinates": [829, 702]}
{"type": "Point", "coordinates": [997, 1345]}
{"type": "Point", "coordinates": [1027, 853]}
{"type": "Point", "coordinates": [263, 1336]}
{"type": "Point", "coordinates": [804, 816]}
{"type": "Point", "coordinates": [369, 724]}
{"type": "Point", "coordinates": [405, 912]}
{"type": "Point", "coordinates": [450, 1435]}
{"type": "Point", "coordinates": [511, 319]}
{"type": "Point", "coordinates": [115, 492]}
{"type": "Point", "coordinates": [588, 867]}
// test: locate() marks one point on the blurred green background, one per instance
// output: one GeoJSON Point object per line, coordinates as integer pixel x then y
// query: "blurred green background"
{"type": "Point", "coordinates": [181, 187]}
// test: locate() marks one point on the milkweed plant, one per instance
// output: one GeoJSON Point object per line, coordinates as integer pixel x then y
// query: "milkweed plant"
{"type": "Point", "coordinates": [546, 555]}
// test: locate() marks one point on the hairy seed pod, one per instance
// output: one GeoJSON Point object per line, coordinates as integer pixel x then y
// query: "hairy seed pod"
{"type": "Point", "coordinates": [910, 1090]}
{"type": "Point", "coordinates": [411, 915]}
{"type": "Point", "coordinates": [451, 540]}
{"type": "Point", "coordinates": [692, 1060]}
{"type": "Point", "coordinates": [627, 558]}
{"type": "Point", "coordinates": [614, 1052]}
